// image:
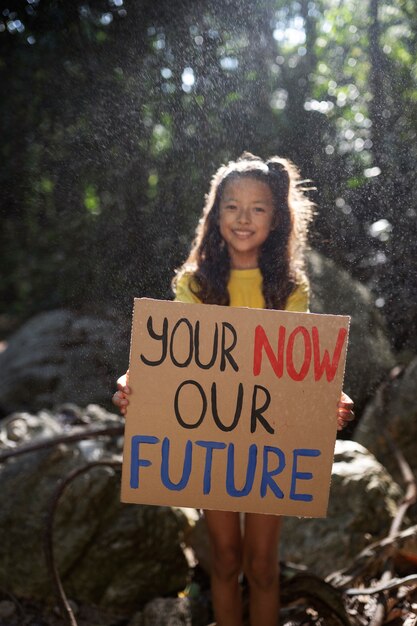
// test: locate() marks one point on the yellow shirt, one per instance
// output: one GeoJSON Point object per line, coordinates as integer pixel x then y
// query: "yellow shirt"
{"type": "Point", "coordinates": [245, 289]}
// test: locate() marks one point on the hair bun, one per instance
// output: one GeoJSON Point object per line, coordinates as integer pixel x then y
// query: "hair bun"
{"type": "Point", "coordinates": [277, 167]}
{"type": "Point", "coordinates": [248, 156]}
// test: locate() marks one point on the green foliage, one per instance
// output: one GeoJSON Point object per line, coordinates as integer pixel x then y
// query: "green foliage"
{"type": "Point", "coordinates": [117, 114]}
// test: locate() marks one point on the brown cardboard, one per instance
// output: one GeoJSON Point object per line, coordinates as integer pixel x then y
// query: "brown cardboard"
{"type": "Point", "coordinates": [275, 461]}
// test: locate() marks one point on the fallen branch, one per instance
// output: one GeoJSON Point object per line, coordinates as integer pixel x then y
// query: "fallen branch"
{"type": "Point", "coordinates": [409, 499]}
{"type": "Point", "coordinates": [392, 584]}
{"type": "Point", "coordinates": [375, 551]}
{"type": "Point", "coordinates": [322, 596]}
{"type": "Point", "coordinates": [50, 442]}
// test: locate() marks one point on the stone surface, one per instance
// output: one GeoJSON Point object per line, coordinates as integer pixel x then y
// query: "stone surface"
{"type": "Point", "coordinates": [173, 612]}
{"type": "Point", "coordinates": [7, 609]}
{"type": "Point", "coordinates": [109, 554]}
{"type": "Point", "coordinates": [162, 611]}
{"type": "Point", "coordinates": [363, 502]}
{"type": "Point", "coordinates": [369, 356]}
{"type": "Point", "coordinates": [60, 356]}
{"type": "Point", "coordinates": [22, 427]}
{"type": "Point", "coordinates": [393, 407]}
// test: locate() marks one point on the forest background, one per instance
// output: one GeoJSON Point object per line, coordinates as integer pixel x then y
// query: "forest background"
{"type": "Point", "coordinates": [115, 114]}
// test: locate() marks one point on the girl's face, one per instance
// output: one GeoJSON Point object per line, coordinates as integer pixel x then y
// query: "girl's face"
{"type": "Point", "coordinates": [247, 216]}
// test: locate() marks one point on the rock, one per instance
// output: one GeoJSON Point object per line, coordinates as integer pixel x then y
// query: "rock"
{"type": "Point", "coordinates": [394, 406]}
{"type": "Point", "coordinates": [109, 554]}
{"type": "Point", "coordinates": [137, 620]}
{"type": "Point", "coordinates": [162, 611]}
{"type": "Point", "coordinates": [172, 612]}
{"type": "Point", "coordinates": [198, 540]}
{"type": "Point", "coordinates": [363, 502]}
{"type": "Point", "coordinates": [60, 356]}
{"type": "Point", "coordinates": [24, 428]}
{"type": "Point", "coordinates": [7, 609]}
{"type": "Point", "coordinates": [369, 355]}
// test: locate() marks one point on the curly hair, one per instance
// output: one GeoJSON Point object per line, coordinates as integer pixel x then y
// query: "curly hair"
{"type": "Point", "coordinates": [281, 258]}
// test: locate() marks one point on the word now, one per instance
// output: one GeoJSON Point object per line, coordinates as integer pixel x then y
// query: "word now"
{"type": "Point", "coordinates": [272, 461]}
{"type": "Point", "coordinates": [310, 348]}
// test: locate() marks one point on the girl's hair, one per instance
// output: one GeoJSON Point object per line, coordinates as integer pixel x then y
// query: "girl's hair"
{"type": "Point", "coordinates": [281, 258]}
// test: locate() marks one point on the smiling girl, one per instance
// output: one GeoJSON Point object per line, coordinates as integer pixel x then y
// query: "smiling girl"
{"type": "Point", "coordinates": [248, 251]}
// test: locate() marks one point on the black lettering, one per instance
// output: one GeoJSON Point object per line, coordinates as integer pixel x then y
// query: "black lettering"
{"type": "Point", "coordinates": [187, 361]}
{"type": "Point", "coordinates": [205, 366]}
{"type": "Point", "coordinates": [257, 412]}
{"type": "Point", "coordinates": [227, 350]}
{"type": "Point", "coordinates": [163, 338]}
{"type": "Point", "coordinates": [203, 409]}
{"type": "Point", "coordinates": [215, 413]}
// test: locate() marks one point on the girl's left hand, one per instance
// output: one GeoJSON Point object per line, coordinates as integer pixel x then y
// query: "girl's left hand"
{"type": "Point", "coordinates": [345, 412]}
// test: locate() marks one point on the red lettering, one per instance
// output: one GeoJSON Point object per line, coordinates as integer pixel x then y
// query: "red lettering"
{"type": "Point", "coordinates": [262, 342]}
{"type": "Point", "coordinates": [292, 372]}
{"type": "Point", "coordinates": [321, 364]}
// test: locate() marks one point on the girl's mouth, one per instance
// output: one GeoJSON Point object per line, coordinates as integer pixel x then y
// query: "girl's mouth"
{"type": "Point", "coordinates": [243, 234]}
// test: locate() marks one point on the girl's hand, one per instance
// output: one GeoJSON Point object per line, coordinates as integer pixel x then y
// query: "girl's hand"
{"type": "Point", "coordinates": [345, 412]}
{"type": "Point", "coordinates": [120, 398]}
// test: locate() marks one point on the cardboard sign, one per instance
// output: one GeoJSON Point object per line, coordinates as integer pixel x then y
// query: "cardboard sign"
{"type": "Point", "coordinates": [232, 408]}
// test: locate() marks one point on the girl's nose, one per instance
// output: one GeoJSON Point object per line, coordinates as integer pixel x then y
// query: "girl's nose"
{"type": "Point", "coordinates": [244, 216]}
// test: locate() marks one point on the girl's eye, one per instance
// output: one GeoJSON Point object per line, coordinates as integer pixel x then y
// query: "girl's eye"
{"type": "Point", "coordinates": [259, 209]}
{"type": "Point", "coordinates": [231, 207]}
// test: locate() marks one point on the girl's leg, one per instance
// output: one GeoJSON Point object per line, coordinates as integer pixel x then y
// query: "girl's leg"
{"type": "Point", "coordinates": [226, 564]}
{"type": "Point", "coordinates": [261, 566]}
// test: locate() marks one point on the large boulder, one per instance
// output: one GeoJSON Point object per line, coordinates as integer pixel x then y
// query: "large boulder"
{"type": "Point", "coordinates": [173, 612]}
{"type": "Point", "coordinates": [369, 355]}
{"type": "Point", "coordinates": [363, 501]}
{"type": "Point", "coordinates": [60, 356]}
{"type": "Point", "coordinates": [392, 413]}
{"type": "Point", "coordinates": [109, 554]}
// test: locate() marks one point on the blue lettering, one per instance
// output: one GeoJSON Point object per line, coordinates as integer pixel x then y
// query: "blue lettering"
{"type": "Point", "coordinates": [186, 470]}
{"type": "Point", "coordinates": [135, 461]}
{"type": "Point", "coordinates": [209, 446]}
{"type": "Point", "coordinates": [250, 472]}
{"type": "Point", "coordinates": [296, 475]}
{"type": "Point", "coordinates": [267, 480]}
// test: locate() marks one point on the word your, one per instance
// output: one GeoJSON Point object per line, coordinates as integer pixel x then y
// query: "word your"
{"type": "Point", "coordinates": [184, 335]}
{"type": "Point", "coordinates": [271, 459]}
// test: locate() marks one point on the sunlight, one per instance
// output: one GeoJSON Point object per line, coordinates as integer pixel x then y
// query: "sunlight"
{"type": "Point", "coordinates": [188, 79]}
{"type": "Point", "coordinates": [294, 34]}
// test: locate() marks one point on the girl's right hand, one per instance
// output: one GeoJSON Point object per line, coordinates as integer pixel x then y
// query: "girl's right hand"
{"type": "Point", "coordinates": [120, 398]}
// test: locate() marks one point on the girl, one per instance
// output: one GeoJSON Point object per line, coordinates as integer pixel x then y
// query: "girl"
{"type": "Point", "coordinates": [248, 251]}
